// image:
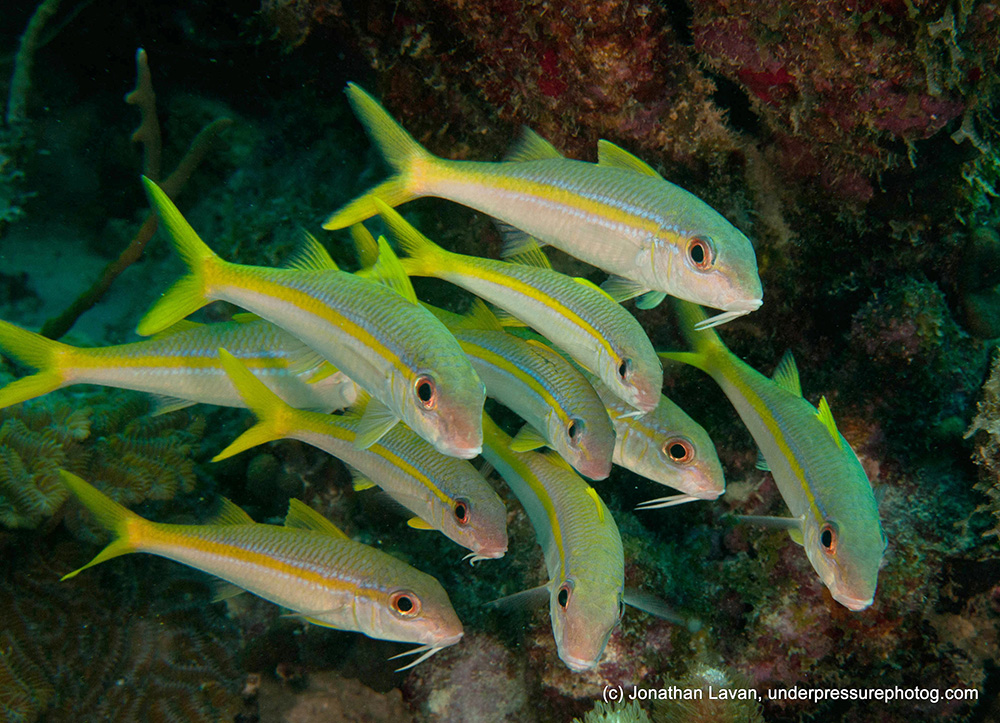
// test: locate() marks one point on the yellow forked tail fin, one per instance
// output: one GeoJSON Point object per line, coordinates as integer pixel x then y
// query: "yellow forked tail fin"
{"type": "Point", "coordinates": [187, 295]}
{"type": "Point", "coordinates": [400, 151]}
{"type": "Point", "coordinates": [36, 351]}
{"type": "Point", "coordinates": [423, 256]}
{"type": "Point", "coordinates": [123, 524]}
{"type": "Point", "coordinates": [274, 415]}
{"type": "Point", "coordinates": [705, 344]}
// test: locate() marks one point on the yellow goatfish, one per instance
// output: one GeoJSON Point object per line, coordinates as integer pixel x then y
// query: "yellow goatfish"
{"type": "Point", "coordinates": [308, 566]}
{"type": "Point", "coordinates": [666, 446]}
{"type": "Point", "coordinates": [594, 329]}
{"type": "Point", "coordinates": [618, 214]}
{"type": "Point", "coordinates": [834, 513]}
{"type": "Point", "coordinates": [181, 366]}
{"type": "Point", "coordinates": [583, 549]}
{"type": "Point", "coordinates": [445, 493]}
{"type": "Point", "coordinates": [394, 349]}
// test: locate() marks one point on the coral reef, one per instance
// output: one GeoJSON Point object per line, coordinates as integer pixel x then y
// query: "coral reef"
{"type": "Point", "coordinates": [907, 336]}
{"type": "Point", "coordinates": [143, 646]}
{"type": "Point", "coordinates": [104, 437]}
{"type": "Point", "coordinates": [844, 88]}
{"type": "Point", "coordinates": [620, 713]}
{"type": "Point", "coordinates": [710, 707]}
{"type": "Point", "coordinates": [985, 431]}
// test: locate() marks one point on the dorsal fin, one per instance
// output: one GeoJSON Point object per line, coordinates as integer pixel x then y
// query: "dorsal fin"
{"type": "Point", "coordinates": [826, 417]}
{"type": "Point", "coordinates": [365, 245]}
{"type": "Point", "coordinates": [608, 154]}
{"type": "Point", "coordinates": [597, 501]}
{"type": "Point", "coordinates": [303, 517]}
{"type": "Point", "coordinates": [786, 374]}
{"type": "Point", "coordinates": [230, 514]}
{"type": "Point", "coordinates": [311, 256]}
{"type": "Point", "coordinates": [530, 254]}
{"type": "Point", "coordinates": [479, 316]}
{"type": "Point", "coordinates": [531, 147]}
{"type": "Point", "coordinates": [387, 270]}
{"type": "Point", "coordinates": [506, 318]}
{"type": "Point", "coordinates": [182, 325]}
{"type": "Point", "coordinates": [591, 285]}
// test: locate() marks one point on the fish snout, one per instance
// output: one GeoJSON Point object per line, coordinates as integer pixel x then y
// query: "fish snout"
{"type": "Point", "coordinates": [853, 603]}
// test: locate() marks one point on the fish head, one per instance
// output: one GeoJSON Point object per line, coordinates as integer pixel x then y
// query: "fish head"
{"type": "Point", "coordinates": [476, 519]}
{"type": "Point", "coordinates": [689, 464]}
{"type": "Point", "coordinates": [846, 551]}
{"type": "Point", "coordinates": [415, 610]}
{"type": "Point", "coordinates": [445, 407]}
{"type": "Point", "coordinates": [584, 613]}
{"type": "Point", "coordinates": [709, 262]}
{"type": "Point", "coordinates": [587, 444]}
{"type": "Point", "coordinates": [634, 375]}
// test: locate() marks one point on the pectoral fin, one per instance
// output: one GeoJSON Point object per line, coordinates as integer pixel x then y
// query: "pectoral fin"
{"type": "Point", "coordinates": [375, 422]}
{"type": "Point", "coordinates": [527, 439]}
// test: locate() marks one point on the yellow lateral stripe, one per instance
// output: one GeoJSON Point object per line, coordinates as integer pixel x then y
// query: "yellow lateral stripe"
{"type": "Point", "coordinates": [509, 282]}
{"type": "Point", "coordinates": [194, 361]}
{"type": "Point", "coordinates": [551, 193]}
{"type": "Point", "coordinates": [496, 360]}
{"type": "Point", "coordinates": [538, 488]}
{"type": "Point", "coordinates": [314, 424]}
{"type": "Point", "coordinates": [295, 298]}
{"type": "Point", "coordinates": [729, 371]}
{"type": "Point", "coordinates": [183, 540]}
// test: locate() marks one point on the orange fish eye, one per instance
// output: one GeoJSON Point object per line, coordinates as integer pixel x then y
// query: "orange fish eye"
{"type": "Point", "coordinates": [701, 252]}
{"type": "Point", "coordinates": [679, 450]}
{"type": "Point", "coordinates": [426, 391]}
{"type": "Point", "coordinates": [828, 538]}
{"type": "Point", "coordinates": [463, 511]}
{"type": "Point", "coordinates": [563, 595]}
{"type": "Point", "coordinates": [404, 603]}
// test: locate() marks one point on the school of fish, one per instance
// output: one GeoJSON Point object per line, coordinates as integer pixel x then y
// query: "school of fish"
{"type": "Point", "coordinates": [409, 382]}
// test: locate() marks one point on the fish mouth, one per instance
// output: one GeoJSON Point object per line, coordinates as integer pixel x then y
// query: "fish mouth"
{"type": "Point", "coordinates": [596, 469]}
{"type": "Point", "coordinates": [484, 554]}
{"type": "Point", "coordinates": [853, 603]}
{"type": "Point", "coordinates": [462, 452]}
{"type": "Point", "coordinates": [579, 665]}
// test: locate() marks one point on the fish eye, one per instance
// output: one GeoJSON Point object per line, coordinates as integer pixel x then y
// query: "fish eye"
{"type": "Point", "coordinates": [563, 597]}
{"type": "Point", "coordinates": [574, 430]}
{"type": "Point", "coordinates": [624, 369]}
{"type": "Point", "coordinates": [404, 603]}
{"type": "Point", "coordinates": [701, 252]}
{"type": "Point", "coordinates": [462, 511]}
{"type": "Point", "coordinates": [679, 450]}
{"type": "Point", "coordinates": [426, 391]}
{"type": "Point", "coordinates": [828, 538]}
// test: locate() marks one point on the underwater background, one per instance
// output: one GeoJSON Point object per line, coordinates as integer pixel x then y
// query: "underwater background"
{"type": "Point", "coordinates": [857, 144]}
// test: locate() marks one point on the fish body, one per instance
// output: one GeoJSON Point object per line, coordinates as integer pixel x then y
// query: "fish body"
{"type": "Point", "coordinates": [666, 446]}
{"type": "Point", "coordinates": [548, 393]}
{"type": "Point", "coordinates": [617, 214]}
{"type": "Point", "coordinates": [307, 566]}
{"type": "Point", "coordinates": [833, 509]}
{"type": "Point", "coordinates": [583, 549]}
{"type": "Point", "coordinates": [182, 366]}
{"type": "Point", "coordinates": [445, 493]}
{"type": "Point", "coordinates": [600, 334]}
{"type": "Point", "coordinates": [392, 348]}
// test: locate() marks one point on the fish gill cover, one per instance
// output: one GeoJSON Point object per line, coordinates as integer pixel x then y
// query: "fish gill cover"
{"type": "Point", "coordinates": [855, 144]}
